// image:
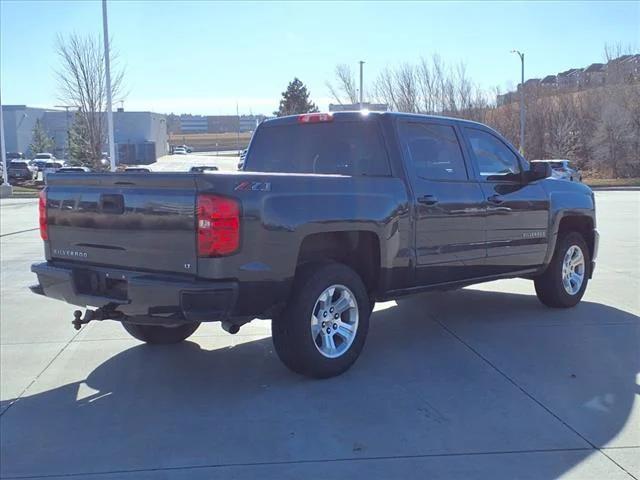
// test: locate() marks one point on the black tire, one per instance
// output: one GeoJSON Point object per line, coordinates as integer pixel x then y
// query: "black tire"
{"type": "Point", "coordinates": [158, 335]}
{"type": "Point", "coordinates": [291, 331]}
{"type": "Point", "coordinates": [549, 287]}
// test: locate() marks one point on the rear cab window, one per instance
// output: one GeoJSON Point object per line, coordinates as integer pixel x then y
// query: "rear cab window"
{"type": "Point", "coordinates": [349, 147]}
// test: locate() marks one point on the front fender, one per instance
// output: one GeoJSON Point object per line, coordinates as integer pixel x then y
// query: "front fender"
{"type": "Point", "coordinates": [566, 199]}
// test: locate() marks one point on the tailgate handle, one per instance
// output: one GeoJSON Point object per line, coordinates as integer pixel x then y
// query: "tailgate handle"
{"type": "Point", "coordinates": [112, 203]}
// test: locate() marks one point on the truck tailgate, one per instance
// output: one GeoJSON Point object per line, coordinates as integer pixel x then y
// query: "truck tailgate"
{"type": "Point", "coordinates": [124, 220]}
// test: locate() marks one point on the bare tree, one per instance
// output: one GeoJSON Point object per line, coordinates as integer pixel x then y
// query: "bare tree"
{"type": "Point", "coordinates": [81, 82]}
{"type": "Point", "coordinates": [346, 85]}
{"type": "Point", "coordinates": [598, 128]}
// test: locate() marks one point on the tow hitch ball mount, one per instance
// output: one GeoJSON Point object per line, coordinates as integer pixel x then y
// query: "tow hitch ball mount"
{"type": "Point", "coordinates": [89, 315]}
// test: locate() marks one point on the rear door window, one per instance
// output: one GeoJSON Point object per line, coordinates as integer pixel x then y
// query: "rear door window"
{"type": "Point", "coordinates": [433, 150]}
{"type": "Point", "coordinates": [345, 148]}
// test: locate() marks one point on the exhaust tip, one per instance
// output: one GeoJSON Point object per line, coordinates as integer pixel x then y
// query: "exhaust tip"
{"type": "Point", "coordinates": [230, 327]}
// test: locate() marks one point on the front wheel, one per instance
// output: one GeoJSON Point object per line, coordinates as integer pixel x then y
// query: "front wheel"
{"type": "Point", "coordinates": [564, 282]}
{"type": "Point", "coordinates": [322, 330]}
{"type": "Point", "coordinates": [159, 335]}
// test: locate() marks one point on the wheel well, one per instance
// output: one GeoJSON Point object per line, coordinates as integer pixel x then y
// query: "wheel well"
{"type": "Point", "coordinates": [359, 250]}
{"type": "Point", "coordinates": [581, 224]}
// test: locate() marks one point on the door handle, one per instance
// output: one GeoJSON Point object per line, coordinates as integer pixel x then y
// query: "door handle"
{"type": "Point", "coordinates": [112, 203]}
{"type": "Point", "coordinates": [428, 199]}
{"type": "Point", "coordinates": [495, 199]}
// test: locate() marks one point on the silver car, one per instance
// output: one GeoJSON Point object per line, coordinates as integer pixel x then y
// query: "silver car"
{"type": "Point", "coordinates": [562, 170]}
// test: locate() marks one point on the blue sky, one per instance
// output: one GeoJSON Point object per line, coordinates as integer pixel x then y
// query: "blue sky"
{"type": "Point", "coordinates": [202, 57]}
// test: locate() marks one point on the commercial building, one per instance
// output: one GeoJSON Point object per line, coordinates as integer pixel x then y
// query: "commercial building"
{"type": "Point", "coordinates": [347, 107]}
{"type": "Point", "coordinates": [194, 124]}
{"type": "Point", "coordinates": [186, 124]}
{"type": "Point", "coordinates": [140, 137]}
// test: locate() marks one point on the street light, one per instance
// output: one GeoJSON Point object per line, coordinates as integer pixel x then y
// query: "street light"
{"type": "Point", "coordinates": [361, 93]}
{"type": "Point", "coordinates": [107, 69]}
{"type": "Point", "coordinates": [521, 55]}
{"type": "Point", "coordinates": [6, 186]}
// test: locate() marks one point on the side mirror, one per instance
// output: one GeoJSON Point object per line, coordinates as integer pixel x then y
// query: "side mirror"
{"type": "Point", "coordinates": [538, 171]}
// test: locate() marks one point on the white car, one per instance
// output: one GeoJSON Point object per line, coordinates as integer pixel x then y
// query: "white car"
{"type": "Point", "coordinates": [51, 167]}
{"type": "Point", "coordinates": [179, 151]}
{"type": "Point", "coordinates": [562, 170]}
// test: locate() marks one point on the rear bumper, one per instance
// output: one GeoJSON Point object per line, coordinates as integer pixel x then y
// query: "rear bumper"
{"type": "Point", "coordinates": [137, 293]}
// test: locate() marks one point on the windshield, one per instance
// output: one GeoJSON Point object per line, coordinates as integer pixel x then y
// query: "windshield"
{"type": "Point", "coordinates": [347, 148]}
{"type": "Point", "coordinates": [44, 156]}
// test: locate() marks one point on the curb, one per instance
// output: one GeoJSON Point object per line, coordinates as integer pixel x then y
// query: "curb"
{"type": "Point", "coordinates": [613, 188]}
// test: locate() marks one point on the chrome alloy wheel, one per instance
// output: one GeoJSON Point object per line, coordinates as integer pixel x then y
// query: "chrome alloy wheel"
{"type": "Point", "coordinates": [334, 321]}
{"type": "Point", "coordinates": [573, 270]}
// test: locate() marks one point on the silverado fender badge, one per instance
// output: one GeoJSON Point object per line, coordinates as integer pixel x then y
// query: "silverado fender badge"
{"type": "Point", "coordinates": [247, 185]}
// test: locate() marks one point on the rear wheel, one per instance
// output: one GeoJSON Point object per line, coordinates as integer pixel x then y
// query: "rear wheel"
{"type": "Point", "coordinates": [564, 282]}
{"type": "Point", "coordinates": [322, 331]}
{"type": "Point", "coordinates": [159, 335]}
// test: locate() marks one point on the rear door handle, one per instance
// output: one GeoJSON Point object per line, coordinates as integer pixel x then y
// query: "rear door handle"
{"type": "Point", "coordinates": [112, 203]}
{"type": "Point", "coordinates": [495, 199]}
{"type": "Point", "coordinates": [428, 199]}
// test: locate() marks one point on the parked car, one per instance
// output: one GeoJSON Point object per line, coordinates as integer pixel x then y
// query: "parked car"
{"type": "Point", "coordinates": [41, 159]}
{"type": "Point", "coordinates": [21, 170]}
{"type": "Point", "coordinates": [179, 151]}
{"type": "Point", "coordinates": [15, 156]}
{"type": "Point", "coordinates": [563, 170]}
{"type": "Point", "coordinates": [137, 169]}
{"type": "Point", "coordinates": [51, 167]}
{"type": "Point", "coordinates": [243, 156]}
{"type": "Point", "coordinates": [331, 213]}
{"type": "Point", "coordinates": [73, 169]}
{"type": "Point", "coordinates": [203, 168]}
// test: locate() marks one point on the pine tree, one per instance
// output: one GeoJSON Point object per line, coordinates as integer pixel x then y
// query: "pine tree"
{"type": "Point", "coordinates": [80, 151]}
{"type": "Point", "coordinates": [295, 100]}
{"type": "Point", "coordinates": [40, 142]}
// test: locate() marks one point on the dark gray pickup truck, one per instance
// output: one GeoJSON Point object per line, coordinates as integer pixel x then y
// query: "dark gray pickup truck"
{"type": "Point", "coordinates": [329, 214]}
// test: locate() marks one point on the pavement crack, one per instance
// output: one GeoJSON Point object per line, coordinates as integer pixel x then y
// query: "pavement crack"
{"type": "Point", "coordinates": [35, 379]}
{"type": "Point", "coordinates": [523, 390]}
{"type": "Point", "coordinates": [294, 462]}
{"type": "Point", "coordinates": [19, 231]}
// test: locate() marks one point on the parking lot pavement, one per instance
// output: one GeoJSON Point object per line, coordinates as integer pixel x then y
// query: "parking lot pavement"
{"type": "Point", "coordinates": [484, 382]}
{"type": "Point", "coordinates": [182, 163]}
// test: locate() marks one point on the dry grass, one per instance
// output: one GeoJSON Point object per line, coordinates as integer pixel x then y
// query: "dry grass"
{"type": "Point", "coordinates": [612, 182]}
{"type": "Point", "coordinates": [211, 141]}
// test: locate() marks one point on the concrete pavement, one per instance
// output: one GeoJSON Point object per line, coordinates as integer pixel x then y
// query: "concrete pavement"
{"type": "Point", "coordinates": [479, 383]}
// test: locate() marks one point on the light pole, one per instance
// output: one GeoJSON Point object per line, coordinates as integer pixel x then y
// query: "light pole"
{"type": "Point", "coordinates": [521, 55]}
{"type": "Point", "coordinates": [6, 186]}
{"type": "Point", "coordinates": [361, 94]}
{"type": "Point", "coordinates": [105, 34]}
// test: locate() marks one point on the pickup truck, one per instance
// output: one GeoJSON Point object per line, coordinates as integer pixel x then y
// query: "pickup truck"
{"type": "Point", "coordinates": [331, 213]}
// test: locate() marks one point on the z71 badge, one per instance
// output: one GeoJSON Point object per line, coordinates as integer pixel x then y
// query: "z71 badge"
{"type": "Point", "coordinates": [253, 186]}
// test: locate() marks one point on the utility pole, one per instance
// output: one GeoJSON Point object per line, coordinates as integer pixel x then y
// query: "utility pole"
{"type": "Point", "coordinates": [522, 116]}
{"type": "Point", "coordinates": [6, 186]}
{"type": "Point", "coordinates": [238, 137]}
{"type": "Point", "coordinates": [67, 107]}
{"type": "Point", "coordinates": [361, 92]}
{"type": "Point", "coordinates": [105, 33]}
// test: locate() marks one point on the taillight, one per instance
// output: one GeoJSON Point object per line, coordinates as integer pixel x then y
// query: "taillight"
{"type": "Point", "coordinates": [218, 226]}
{"type": "Point", "coordinates": [315, 118]}
{"type": "Point", "coordinates": [42, 213]}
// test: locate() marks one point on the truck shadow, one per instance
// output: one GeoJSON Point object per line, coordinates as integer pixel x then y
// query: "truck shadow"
{"type": "Point", "coordinates": [473, 381]}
